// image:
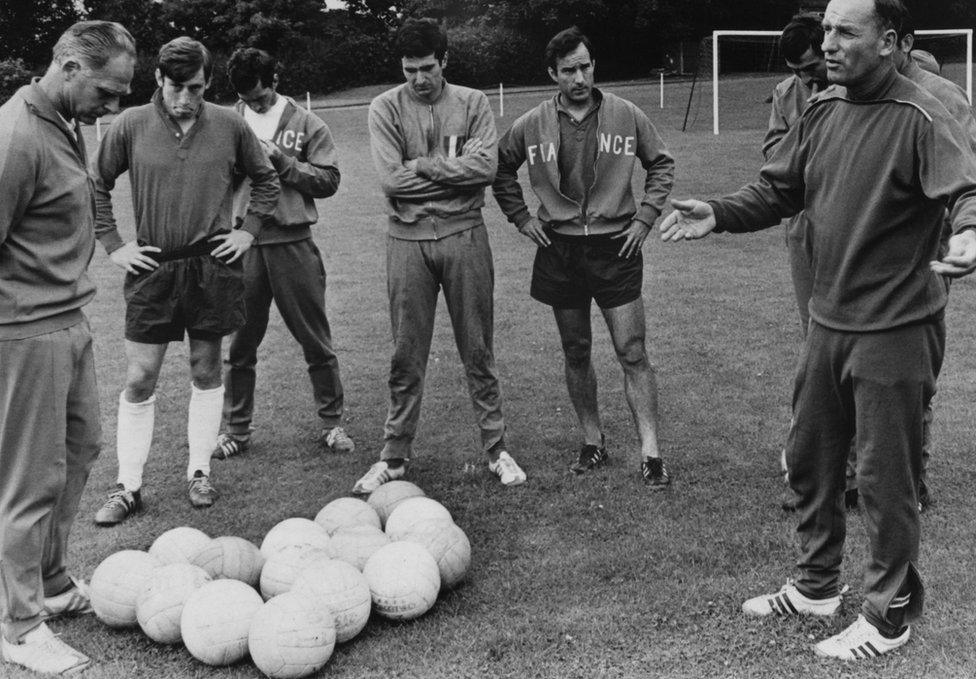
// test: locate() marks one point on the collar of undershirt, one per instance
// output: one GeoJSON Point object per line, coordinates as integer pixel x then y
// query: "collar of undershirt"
{"type": "Point", "coordinates": [594, 107]}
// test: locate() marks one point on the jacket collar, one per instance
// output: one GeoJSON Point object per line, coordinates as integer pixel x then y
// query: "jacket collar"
{"type": "Point", "coordinates": [413, 95]}
{"type": "Point", "coordinates": [597, 102]}
{"type": "Point", "coordinates": [286, 115]}
{"type": "Point", "coordinates": [41, 105]}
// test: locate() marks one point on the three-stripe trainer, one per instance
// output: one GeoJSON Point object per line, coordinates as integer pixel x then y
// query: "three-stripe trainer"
{"type": "Point", "coordinates": [860, 641]}
{"type": "Point", "coordinates": [789, 601]}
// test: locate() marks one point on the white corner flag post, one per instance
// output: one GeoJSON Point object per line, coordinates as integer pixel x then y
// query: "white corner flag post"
{"type": "Point", "coordinates": [308, 101]}
{"type": "Point", "coordinates": [501, 100]}
{"type": "Point", "coordinates": [662, 89]}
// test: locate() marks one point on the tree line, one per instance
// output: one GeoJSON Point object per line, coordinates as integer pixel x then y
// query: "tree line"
{"type": "Point", "coordinates": [323, 50]}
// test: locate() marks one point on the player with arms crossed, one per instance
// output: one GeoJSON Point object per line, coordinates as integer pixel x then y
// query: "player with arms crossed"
{"type": "Point", "coordinates": [183, 271]}
{"type": "Point", "coordinates": [581, 146]}
{"type": "Point", "coordinates": [50, 433]}
{"type": "Point", "coordinates": [874, 169]}
{"type": "Point", "coordinates": [284, 264]}
{"type": "Point", "coordinates": [434, 148]}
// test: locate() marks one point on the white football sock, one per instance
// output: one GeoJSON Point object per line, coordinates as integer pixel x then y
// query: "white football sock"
{"type": "Point", "coordinates": [133, 439]}
{"type": "Point", "coordinates": [202, 427]}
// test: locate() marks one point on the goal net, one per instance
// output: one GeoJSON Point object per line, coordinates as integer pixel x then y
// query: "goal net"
{"type": "Point", "coordinates": [737, 71]}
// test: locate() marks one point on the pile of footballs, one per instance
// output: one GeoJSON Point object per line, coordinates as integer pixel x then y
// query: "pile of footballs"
{"type": "Point", "coordinates": [310, 585]}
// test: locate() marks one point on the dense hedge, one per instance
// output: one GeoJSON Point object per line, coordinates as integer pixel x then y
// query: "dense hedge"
{"type": "Point", "coordinates": [13, 74]}
{"type": "Point", "coordinates": [482, 56]}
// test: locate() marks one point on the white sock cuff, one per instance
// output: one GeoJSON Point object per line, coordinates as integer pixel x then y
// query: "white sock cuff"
{"type": "Point", "coordinates": [126, 403]}
{"type": "Point", "coordinates": [197, 392]}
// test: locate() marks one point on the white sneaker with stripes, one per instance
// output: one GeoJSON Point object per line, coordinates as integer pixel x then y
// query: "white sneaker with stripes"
{"type": "Point", "coordinates": [507, 469]}
{"type": "Point", "coordinates": [789, 601]}
{"type": "Point", "coordinates": [860, 641]}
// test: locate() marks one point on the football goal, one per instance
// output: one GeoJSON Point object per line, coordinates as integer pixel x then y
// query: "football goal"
{"type": "Point", "coordinates": [729, 55]}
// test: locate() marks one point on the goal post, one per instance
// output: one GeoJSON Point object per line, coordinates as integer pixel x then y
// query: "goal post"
{"type": "Point", "coordinates": [717, 36]}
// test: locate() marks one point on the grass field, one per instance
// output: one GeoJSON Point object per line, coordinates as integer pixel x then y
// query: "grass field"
{"type": "Point", "coordinates": [588, 576]}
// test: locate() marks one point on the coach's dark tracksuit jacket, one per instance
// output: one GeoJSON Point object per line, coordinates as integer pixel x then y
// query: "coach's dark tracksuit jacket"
{"type": "Point", "coordinates": [870, 240]}
{"type": "Point", "coordinates": [873, 175]}
{"type": "Point", "coordinates": [624, 136]}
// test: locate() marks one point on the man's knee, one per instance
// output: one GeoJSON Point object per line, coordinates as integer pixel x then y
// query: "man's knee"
{"type": "Point", "coordinates": [205, 374]}
{"type": "Point", "coordinates": [633, 355]}
{"type": "Point", "coordinates": [577, 352]}
{"type": "Point", "coordinates": [205, 363]}
{"type": "Point", "coordinates": [140, 382]}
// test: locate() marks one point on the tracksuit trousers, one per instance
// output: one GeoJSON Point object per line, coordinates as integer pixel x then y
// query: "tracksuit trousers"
{"type": "Point", "coordinates": [802, 276]}
{"type": "Point", "coordinates": [461, 265]}
{"type": "Point", "coordinates": [50, 435]}
{"type": "Point", "coordinates": [293, 275]}
{"type": "Point", "coordinates": [871, 387]}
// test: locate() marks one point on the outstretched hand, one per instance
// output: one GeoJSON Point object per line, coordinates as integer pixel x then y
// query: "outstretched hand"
{"type": "Point", "coordinates": [691, 219]}
{"type": "Point", "coordinates": [960, 259]}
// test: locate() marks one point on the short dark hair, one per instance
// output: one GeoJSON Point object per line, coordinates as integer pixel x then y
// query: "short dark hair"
{"type": "Point", "coordinates": [94, 42]}
{"type": "Point", "coordinates": [803, 33]}
{"type": "Point", "coordinates": [181, 58]}
{"type": "Point", "coordinates": [565, 42]}
{"type": "Point", "coordinates": [248, 66]}
{"type": "Point", "coordinates": [907, 26]}
{"type": "Point", "coordinates": [420, 37]}
{"type": "Point", "coordinates": [891, 15]}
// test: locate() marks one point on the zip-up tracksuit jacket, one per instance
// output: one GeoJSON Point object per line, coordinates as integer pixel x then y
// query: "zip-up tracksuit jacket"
{"type": "Point", "coordinates": [285, 265]}
{"type": "Point", "coordinates": [50, 430]}
{"type": "Point", "coordinates": [437, 239]}
{"type": "Point", "coordinates": [874, 176]}
{"type": "Point", "coordinates": [625, 136]}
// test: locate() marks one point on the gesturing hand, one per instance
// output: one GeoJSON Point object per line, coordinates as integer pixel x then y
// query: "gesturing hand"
{"type": "Point", "coordinates": [691, 219]}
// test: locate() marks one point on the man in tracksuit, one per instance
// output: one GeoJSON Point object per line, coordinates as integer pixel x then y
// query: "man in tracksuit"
{"type": "Point", "coordinates": [184, 273]}
{"type": "Point", "coordinates": [914, 65]}
{"type": "Point", "coordinates": [434, 148]}
{"type": "Point", "coordinates": [284, 264]}
{"type": "Point", "coordinates": [50, 432]}
{"type": "Point", "coordinates": [581, 146]}
{"type": "Point", "coordinates": [874, 169]}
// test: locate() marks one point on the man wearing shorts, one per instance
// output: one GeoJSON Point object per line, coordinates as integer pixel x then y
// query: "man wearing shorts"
{"type": "Point", "coordinates": [433, 146]}
{"type": "Point", "coordinates": [50, 429]}
{"type": "Point", "coordinates": [581, 146]}
{"type": "Point", "coordinates": [284, 265]}
{"type": "Point", "coordinates": [183, 272]}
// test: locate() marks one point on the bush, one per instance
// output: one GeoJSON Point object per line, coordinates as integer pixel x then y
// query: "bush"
{"type": "Point", "coordinates": [481, 55]}
{"type": "Point", "coordinates": [326, 65]}
{"type": "Point", "coordinates": [13, 75]}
